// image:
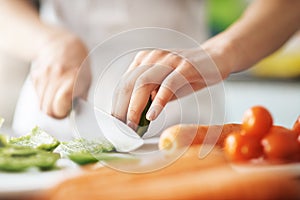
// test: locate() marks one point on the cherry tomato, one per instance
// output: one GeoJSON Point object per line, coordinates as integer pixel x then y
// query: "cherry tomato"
{"type": "Point", "coordinates": [242, 147]}
{"type": "Point", "coordinates": [296, 126]}
{"type": "Point", "coordinates": [281, 144]}
{"type": "Point", "coordinates": [257, 121]}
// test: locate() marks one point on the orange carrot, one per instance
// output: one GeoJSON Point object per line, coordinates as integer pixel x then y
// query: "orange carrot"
{"type": "Point", "coordinates": [183, 135]}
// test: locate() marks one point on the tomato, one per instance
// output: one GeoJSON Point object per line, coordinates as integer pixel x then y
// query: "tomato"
{"type": "Point", "coordinates": [296, 126]}
{"type": "Point", "coordinates": [242, 147]}
{"type": "Point", "coordinates": [257, 121]}
{"type": "Point", "coordinates": [281, 144]}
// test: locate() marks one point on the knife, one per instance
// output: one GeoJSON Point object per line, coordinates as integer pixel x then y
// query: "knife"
{"type": "Point", "coordinates": [92, 123]}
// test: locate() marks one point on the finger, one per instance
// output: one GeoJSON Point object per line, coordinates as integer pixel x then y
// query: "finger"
{"type": "Point", "coordinates": [62, 101]}
{"type": "Point", "coordinates": [138, 59]}
{"type": "Point", "coordinates": [147, 58]}
{"type": "Point", "coordinates": [145, 84]}
{"type": "Point", "coordinates": [123, 91]}
{"type": "Point", "coordinates": [40, 82]}
{"type": "Point", "coordinates": [173, 82]}
{"type": "Point", "coordinates": [48, 97]}
{"type": "Point", "coordinates": [82, 82]}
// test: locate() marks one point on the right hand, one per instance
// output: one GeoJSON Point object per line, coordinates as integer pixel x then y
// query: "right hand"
{"type": "Point", "coordinates": [54, 73]}
{"type": "Point", "coordinates": [164, 75]}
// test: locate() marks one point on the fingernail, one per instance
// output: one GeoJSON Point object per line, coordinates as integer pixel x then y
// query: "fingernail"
{"type": "Point", "coordinates": [132, 125]}
{"type": "Point", "coordinates": [151, 114]}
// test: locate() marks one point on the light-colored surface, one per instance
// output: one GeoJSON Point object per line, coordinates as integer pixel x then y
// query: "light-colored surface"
{"type": "Point", "coordinates": [19, 185]}
{"type": "Point", "coordinates": [282, 98]}
{"type": "Point", "coordinates": [12, 75]}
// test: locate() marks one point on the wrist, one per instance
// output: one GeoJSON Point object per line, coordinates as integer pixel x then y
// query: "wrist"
{"type": "Point", "coordinates": [52, 35]}
{"type": "Point", "coordinates": [223, 51]}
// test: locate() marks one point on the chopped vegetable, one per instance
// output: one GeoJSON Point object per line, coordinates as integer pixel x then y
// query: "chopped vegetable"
{"type": "Point", "coordinates": [84, 151]}
{"type": "Point", "coordinates": [86, 158]}
{"type": "Point", "coordinates": [37, 138]}
{"type": "Point", "coordinates": [144, 122]}
{"type": "Point", "coordinates": [18, 158]}
{"type": "Point", "coordinates": [3, 140]}
{"type": "Point", "coordinates": [34, 150]}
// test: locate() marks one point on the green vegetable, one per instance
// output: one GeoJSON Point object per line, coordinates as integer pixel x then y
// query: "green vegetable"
{"type": "Point", "coordinates": [86, 158]}
{"type": "Point", "coordinates": [37, 138]}
{"type": "Point", "coordinates": [144, 122]}
{"type": "Point", "coordinates": [82, 158]}
{"type": "Point", "coordinates": [32, 150]}
{"type": "Point", "coordinates": [84, 151]}
{"type": "Point", "coordinates": [18, 158]}
{"type": "Point", "coordinates": [3, 140]}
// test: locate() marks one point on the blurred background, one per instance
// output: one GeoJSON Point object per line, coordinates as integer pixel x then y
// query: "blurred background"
{"type": "Point", "coordinates": [274, 82]}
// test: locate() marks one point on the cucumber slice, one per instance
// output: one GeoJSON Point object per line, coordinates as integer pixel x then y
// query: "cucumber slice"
{"type": "Point", "coordinates": [17, 158]}
{"type": "Point", "coordinates": [38, 139]}
{"type": "Point", "coordinates": [82, 151]}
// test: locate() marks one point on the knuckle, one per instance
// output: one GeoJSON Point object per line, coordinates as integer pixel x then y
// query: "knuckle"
{"type": "Point", "coordinates": [160, 101]}
{"type": "Point", "coordinates": [158, 52]}
{"type": "Point", "coordinates": [141, 54]}
{"type": "Point", "coordinates": [56, 70]}
{"type": "Point", "coordinates": [118, 116]}
{"type": "Point", "coordinates": [133, 114]}
{"type": "Point", "coordinates": [124, 87]}
{"type": "Point", "coordinates": [170, 83]}
{"type": "Point", "coordinates": [143, 80]}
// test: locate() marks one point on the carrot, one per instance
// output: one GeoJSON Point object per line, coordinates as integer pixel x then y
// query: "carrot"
{"type": "Point", "coordinates": [296, 126]}
{"type": "Point", "coordinates": [183, 135]}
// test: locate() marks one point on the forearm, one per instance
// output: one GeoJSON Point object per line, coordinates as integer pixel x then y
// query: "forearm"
{"type": "Point", "coordinates": [265, 26]}
{"type": "Point", "coordinates": [21, 31]}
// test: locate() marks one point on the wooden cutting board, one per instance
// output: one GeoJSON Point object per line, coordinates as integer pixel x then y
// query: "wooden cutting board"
{"type": "Point", "coordinates": [187, 178]}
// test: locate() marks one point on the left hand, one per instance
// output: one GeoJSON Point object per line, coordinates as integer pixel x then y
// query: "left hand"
{"type": "Point", "coordinates": [55, 71]}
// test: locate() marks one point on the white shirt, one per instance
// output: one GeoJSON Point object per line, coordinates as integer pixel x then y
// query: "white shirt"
{"type": "Point", "coordinates": [96, 20]}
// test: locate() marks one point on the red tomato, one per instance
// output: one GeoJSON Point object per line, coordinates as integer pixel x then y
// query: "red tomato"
{"type": "Point", "coordinates": [257, 121]}
{"type": "Point", "coordinates": [281, 144]}
{"type": "Point", "coordinates": [242, 147]}
{"type": "Point", "coordinates": [296, 126]}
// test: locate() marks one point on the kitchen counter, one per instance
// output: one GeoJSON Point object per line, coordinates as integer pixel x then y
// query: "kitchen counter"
{"type": "Point", "coordinates": [281, 97]}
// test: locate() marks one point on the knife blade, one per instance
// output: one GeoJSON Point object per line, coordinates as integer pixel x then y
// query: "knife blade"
{"type": "Point", "coordinates": [93, 122]}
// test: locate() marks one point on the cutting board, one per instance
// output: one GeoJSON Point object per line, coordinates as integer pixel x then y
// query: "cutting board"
{"type": "Point", "coordinates": [189, 177]}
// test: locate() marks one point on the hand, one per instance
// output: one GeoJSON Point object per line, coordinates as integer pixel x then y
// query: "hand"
{"type": "Point", "coordinates": [54, 73]}
{"type": "Point", "coordinates": [164, 75]}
